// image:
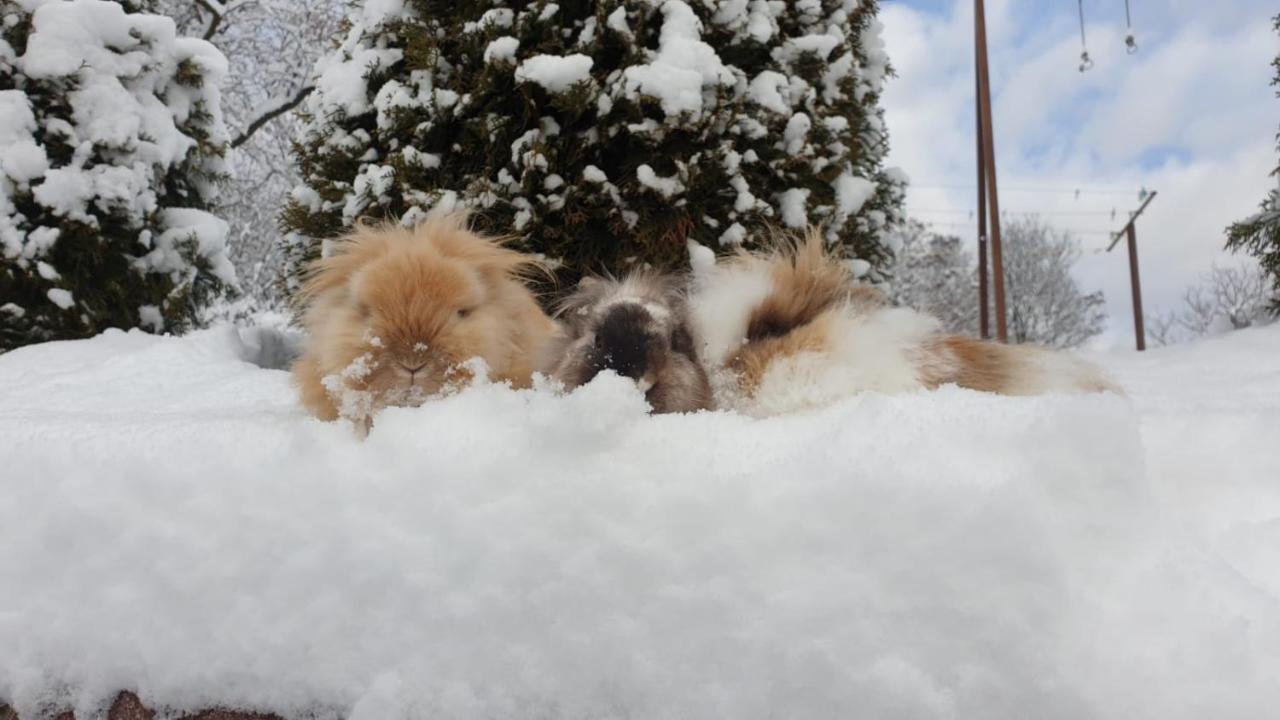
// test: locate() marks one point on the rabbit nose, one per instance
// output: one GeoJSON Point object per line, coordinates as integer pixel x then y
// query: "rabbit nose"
{"type": "Point", "coordinates": [413, 369]}
{"type": "Point", "coordinates": [623, 343]}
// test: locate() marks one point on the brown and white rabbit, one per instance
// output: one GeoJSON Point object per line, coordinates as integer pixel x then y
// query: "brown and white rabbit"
{"type": "Point", "coordinates": [791, 329]}
{"type": "Point", "coordinates": [394, 314]}
{"type": "Point", "coordinates": [637, 327]}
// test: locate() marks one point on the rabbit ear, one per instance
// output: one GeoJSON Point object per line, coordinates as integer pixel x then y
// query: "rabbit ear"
{"type": "Point", "coordinates": [448, 233]}
{"type": "Point", "coordinates": [346, 256]}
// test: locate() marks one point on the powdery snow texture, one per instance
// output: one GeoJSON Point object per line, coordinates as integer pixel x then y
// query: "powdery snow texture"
{"type": "Point", "coordinates": [172, 522]}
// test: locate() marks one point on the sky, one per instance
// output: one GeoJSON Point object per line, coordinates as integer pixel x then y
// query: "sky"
{"type": "Point", "coordinates": [1190, 115]}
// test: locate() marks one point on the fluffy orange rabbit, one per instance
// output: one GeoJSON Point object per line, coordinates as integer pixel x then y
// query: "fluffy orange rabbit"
{"type": "Point", "coordinates": [393, 316]}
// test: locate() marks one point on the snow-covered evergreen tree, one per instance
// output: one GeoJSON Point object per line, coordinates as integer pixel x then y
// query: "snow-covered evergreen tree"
{"type": "Point", "coordinates": [1259, 235]}
{"type": "Point", "coordinates": [111, 139]}
{"type": "Point", "coordinates": [604, 133]}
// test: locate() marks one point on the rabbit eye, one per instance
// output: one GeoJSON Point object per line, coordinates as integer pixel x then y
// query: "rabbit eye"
{"type": "Point", "coordinates": [464, 312]}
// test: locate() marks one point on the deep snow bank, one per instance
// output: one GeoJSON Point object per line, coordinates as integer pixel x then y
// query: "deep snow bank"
{"type": "Point", "coordinates": [171, 522]}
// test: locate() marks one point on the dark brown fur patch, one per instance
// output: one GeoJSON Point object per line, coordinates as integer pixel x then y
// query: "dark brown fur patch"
{"type": "Point", "coordinates": [807, 281]}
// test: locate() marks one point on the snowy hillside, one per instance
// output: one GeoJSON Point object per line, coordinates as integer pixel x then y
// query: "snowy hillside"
{"type": "Point", "coordinates": [171, 522]}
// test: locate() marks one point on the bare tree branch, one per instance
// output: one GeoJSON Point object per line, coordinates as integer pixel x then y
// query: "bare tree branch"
{"type": "Point", "coordinates": [218, 12]}
{"type": "Point", "coordinates": [274, 111]}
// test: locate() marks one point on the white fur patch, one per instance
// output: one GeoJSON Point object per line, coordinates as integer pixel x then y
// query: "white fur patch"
{"type": "Point", "coordinates": [869, 352]}
{"type": "Point", "coordinates": [721, 306]}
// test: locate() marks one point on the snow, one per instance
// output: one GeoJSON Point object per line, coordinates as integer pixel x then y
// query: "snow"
{"type": "Point", "coordinates": [379, 11]}
{"type": "Point", "coordinates": [61, 297]}
{"type": "Point", "coordinates": [683, 66]}
{"type": "Point", "coordinates": [792, 206]}
{"type": "Point", "coordinates": [733, 235]}
{"type": "Point", "coordinates": [184, 224]}
{"type": "Point", "coordinates": [591, 173]}
{"type": "Point", "coordinates": [134, 115]}
{"type": "Point", "coordinates": [501, 49]}
{"type": "Point", "coordinates": [667, 187]}
{"type": "Point", "coordinates": [617, 22]}
{"type": "Point", "coordinates": [554, 72]}
{"type": "Point", "coordinates": [796, 133]}
{"type": "Point", "coordinates": [851, 194]}
{"type": "Point", "coordinates": [341, 81]}
{"type": "Point", "coordinates": [172, 522]}
{"type": "Point", "coordinates": [765, 90]}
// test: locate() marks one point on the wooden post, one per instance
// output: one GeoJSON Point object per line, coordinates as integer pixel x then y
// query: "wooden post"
{"type": "Point", "coordinates": [1129, 231]}
{"type": "Point", "coordinates": [1139, 332]}
{"type": "Point", "coordinates": [984, 304]}
{"type": "Point", "coordinates": [989, 163]}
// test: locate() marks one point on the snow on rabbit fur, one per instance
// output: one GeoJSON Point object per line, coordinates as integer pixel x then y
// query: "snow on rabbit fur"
{"type": "Point", "coordinates": [789, 330]}
{"type": "Point", "coordinates": [395, 315]}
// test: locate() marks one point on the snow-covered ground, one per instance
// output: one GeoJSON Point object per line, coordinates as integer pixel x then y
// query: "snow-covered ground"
{"type": "Point", "coordinates": [171, 522]}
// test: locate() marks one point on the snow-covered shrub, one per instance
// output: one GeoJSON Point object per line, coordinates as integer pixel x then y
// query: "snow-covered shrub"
{"type": "Point", "coordinates": [605, 133]}
{"type": "Point", "coordinates": [111, 139]}
{"type": "Point", "coordinates": [1259, 234]}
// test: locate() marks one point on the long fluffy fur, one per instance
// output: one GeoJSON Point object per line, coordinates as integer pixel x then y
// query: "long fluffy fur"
{"type": "Point", "coordinates": [637, 327]}
{"type": "Point", "coordinates": [394, 314]}
{"type": "Point", "coordinates": [790, 328]}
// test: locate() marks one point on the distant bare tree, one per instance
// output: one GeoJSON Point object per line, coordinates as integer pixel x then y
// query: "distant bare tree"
{"type": "Point", "coordinates": [1045, 304]}
{"type": "Point", "coordinates": [935, 274]}
{"type": "Point", "coordinates": [938, 275]}
{"type": "Point", "coordinates": [272, 47]}
{"type": "Point", "coordinates": [1228, 298]}
{"type": "Point", "coordinates": [1163, 328]}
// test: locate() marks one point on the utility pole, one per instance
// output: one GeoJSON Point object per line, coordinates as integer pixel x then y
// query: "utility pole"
{"type": "Point", "coordinates": [1139, 332]}
{"type": "Point", "coordinates": [987, 167]}
{"type": "Point", "coordinates": [984, 304]}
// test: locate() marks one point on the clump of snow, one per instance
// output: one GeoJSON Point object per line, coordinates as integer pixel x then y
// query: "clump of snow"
{"type": "Point", "coordinates": [379, 11]}
{"type": "Point", "coordinates": [208, 232]}
{"type": "Point", "coordinates": [502, 553]}
{"type": "Point", "coordinates": [765, 90]}
{"type": "Point", "coordinates": [502, 49]}
{"type": "Point", "coordinates": [665, 186]}
{"type": "Point", "coordinates": [554, 72]}
{"type": "Point", "coordinates": [794, 137]}
{"type": "Point", "coordinates": [62, 298]}
{"type": "Point", "coordinates": [341, 79]}
{"type": "Point", "coordinates": [684, 67]}
{"type": "Point", "coordinates": [591, 173]}
{"type": "Point", "coordinates": [851, 194]}
{"type": "Point", "coordinates": [733, 235]}
{"type": "Point", "coordinates": [617, 21]}
{"type": "Point", "coordinates": [792, 204]}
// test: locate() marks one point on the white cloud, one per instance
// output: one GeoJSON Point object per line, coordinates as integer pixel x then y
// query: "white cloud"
{"type": "Point", "coordinates": [1191, 115]}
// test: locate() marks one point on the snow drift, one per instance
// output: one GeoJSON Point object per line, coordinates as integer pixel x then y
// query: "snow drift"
{"type": "Point", "coordinates": [173, 523]}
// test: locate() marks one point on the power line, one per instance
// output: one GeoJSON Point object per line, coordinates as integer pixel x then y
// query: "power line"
{"type": "Point", "coordinates": [1100, 232]}
{"type": "Point", "coordinates": [1083, 190]}
{"type": "Point", "coordinates": [962, 211]}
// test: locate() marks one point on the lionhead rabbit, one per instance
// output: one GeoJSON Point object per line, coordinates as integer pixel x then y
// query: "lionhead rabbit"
{"type": "Point", "coordinates": [637, 327]}
{"type": "Point", "coordinates": [790, 329]}
{"type": "Point", "coordinates": [395, 314]}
